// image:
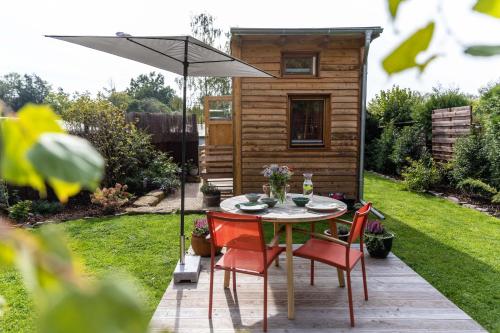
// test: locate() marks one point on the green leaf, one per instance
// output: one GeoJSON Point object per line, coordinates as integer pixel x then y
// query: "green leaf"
{"type": "Point", "coordinates": [393, 7]}
{"type": "Point", "coordinates": [67, 162]}
{"type": "Point", "coordinates": [488, 7]}
{"type": "Point", "coordinates": [483, 50]}
{"type": "Point", "coordinates": [404, 56]}
{"type": "Point", "coordinates": [110, 307]}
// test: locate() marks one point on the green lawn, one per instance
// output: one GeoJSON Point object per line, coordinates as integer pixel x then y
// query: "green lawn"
{"type": "Point", "coordinates": [454, 248]}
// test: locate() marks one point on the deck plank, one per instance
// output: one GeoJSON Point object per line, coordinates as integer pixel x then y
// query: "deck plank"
{"type": "Point", "coordinates": [399, 301]}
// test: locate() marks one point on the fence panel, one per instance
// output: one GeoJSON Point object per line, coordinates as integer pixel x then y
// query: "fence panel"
{"type": "Point", "coordinates": [447, 126]}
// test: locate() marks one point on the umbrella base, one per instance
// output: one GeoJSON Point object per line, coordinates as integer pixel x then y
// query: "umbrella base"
{"type": "Point", "coordinates": [188, 272]}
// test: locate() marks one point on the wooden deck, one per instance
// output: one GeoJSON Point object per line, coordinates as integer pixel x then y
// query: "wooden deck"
{"type": "Point", "coordinates": [399, 301]}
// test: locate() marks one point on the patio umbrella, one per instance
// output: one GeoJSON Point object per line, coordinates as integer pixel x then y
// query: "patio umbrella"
{"type": "Point", "coordinates": [183, 55]}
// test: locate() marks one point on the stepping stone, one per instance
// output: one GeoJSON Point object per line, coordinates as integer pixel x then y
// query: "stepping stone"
{"type": "Point", "coordinates": [146, 201]}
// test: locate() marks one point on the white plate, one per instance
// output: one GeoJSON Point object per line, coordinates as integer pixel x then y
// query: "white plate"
{"type": "Point", "coordinates": [251, 206]}
{"type": "Point", "coordinates": [322, 206]}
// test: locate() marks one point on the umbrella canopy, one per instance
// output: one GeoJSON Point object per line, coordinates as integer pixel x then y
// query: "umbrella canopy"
{"type": "Point", "coordinates": [183, 55]}
{"type": "Point", "coordinates": [168, 53]}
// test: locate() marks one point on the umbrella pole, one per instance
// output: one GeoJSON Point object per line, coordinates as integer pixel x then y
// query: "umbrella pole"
{"type": "Point", "coordinates": [183, 157]}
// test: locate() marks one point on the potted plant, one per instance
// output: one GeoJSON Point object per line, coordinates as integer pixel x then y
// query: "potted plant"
{"type": "Point", "coordinates": [192, 168]}
{"type": "Point", "coordinates": [199, 241]}
{"type": "Point", "coordinates": [278, 176]}
{"type": "Point", "coordinates": [377, 239]}
{"type": "Point", "coordinates": [211, 195]}
{"type": "Point", "coordinates": [343, 232]}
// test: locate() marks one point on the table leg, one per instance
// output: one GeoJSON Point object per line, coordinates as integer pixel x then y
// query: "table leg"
{"type": "Point", "coordinates": [289, 271]}
{"type": "Point", "coordinates": [227, 277]}
{"type": "Point", "coordinates": [340, 273]}
{"type": "Point", "coordinates": [276, 230]}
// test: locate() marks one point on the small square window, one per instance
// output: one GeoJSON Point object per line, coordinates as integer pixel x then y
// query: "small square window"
{"type": "Point", "coordinates": [299, 64]}
{"type": "Point", "coordinates": [308, 121]}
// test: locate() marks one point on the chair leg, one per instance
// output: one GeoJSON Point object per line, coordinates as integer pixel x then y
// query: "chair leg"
{"type": "Point", "coordinates": [210, 293]}
{"type": "Point", "coordinates": [234, 281]}
{"type": "Point", "coordinates": [265, 302]}
{"type": "Point", "coordinates": [364, 277]}
{"type": "Point", "coordinates": [349, 295]}
{"type": "Point", "coordinates": [312, 272]}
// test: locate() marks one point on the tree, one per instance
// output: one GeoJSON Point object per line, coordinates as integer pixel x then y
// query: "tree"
{"type": "Point", "coordinates": [17, 90]}
{"type": "Point", "coordinates": [203, 27]}
{"type": "Point", "coordinates": [394, 105]}
{"type": "Point", "coordinates": [58, 100]}
{"type": "Point", "coordinates": [151, 86]}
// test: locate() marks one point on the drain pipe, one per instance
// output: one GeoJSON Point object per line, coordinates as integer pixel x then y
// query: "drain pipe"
{"type": "Point", "coordinates": [368, 39]}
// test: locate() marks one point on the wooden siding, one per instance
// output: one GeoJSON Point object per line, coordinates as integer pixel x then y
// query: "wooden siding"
{"type": "Point", "coordinates": [447, 126]}
{"type": "Point", "coordinates": [260, 108]}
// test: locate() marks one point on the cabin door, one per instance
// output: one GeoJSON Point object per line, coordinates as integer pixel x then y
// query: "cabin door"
{"type": "Point", "coordinates": [218, 120]}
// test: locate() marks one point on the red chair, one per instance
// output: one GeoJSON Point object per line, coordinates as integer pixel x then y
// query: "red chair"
{"type": "Point", "coordinates": [337, 253]}
{"type": "Point", "coordinates": [246, 251]}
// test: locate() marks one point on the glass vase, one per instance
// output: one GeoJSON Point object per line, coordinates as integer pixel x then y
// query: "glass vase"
{"type": "Point", "coordinates": [278, 191]}
{"type": "Point", "coordinates": [307, 186]}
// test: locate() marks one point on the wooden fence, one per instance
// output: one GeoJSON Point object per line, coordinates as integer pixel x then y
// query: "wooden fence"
{"type": "Point", "coordinates": [447, 126]}
{"type": "Point", "coordinates": [166, 132]}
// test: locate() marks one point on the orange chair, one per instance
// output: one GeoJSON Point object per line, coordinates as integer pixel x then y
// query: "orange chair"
{"type": "Point", "coordinates": [337, 253]}
{"type": "Point", "coordinates": [246, 251]}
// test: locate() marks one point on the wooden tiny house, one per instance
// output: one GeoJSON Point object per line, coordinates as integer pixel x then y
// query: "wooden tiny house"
{"type": "Point", "coordinates": [309, 115]}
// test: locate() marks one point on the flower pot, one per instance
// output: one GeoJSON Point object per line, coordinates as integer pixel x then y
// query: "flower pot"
{"type": "Point", "coordinates": [378, 246]}
{"type": "Point", "coordinates": [343, 237]}
{"type": "Point", "coordinates": [201, 246]}
{"type": "Point", "coordinates": [193, 171]}
{"type": "Point", "coordinates": [211, 200]}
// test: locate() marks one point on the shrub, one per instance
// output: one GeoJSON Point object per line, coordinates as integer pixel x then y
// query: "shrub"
{"type": "Point", "coordinates": [469, 159]}
{"type": "Point", "coordinates": [162, 173]}
{"type": "Point", "coordinates": [20, 211]}
{"type": "Point", "coordinates": [44, 207]}
{"type": "Point", "coordinates": [409, 144]}
{"type": "Point", "coordinates": [126, 149]}
{"type": "Point", "coordinates": [4, 195]}
{"type": "Point", "coordinates": [394, 105]}
{"type": "Point", "coordinates": [209, 189]}
{"type": "Point", "coordinates": [476, 188]}
{"type": "Point", "coordinates": [421, 175]}
{"type": "Point", "coordinates": [382, 149]}
{"type": "Point", "coordinates": [496, 198]}
{"type": "Point", "coordinates": [111, 199]}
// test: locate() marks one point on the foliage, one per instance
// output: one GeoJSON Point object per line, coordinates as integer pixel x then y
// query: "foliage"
{"type": "Point", "coordinates": [277, 174]}
{"type": "Point", "coordinates": [4, 195]}
{"type": "Point", "coordinates": [112, 198]}
{"type": "Point", "coordinates": [59, 101]}
{"type": "Point", "coordinates": [35, 148]}
{"type": "Point", "coordinates": [200, 227]}
{"type": "Point", "coordinates": [405, 54]}
{"type": "Point", "coordinates": [439, 98]}
{"type": "Point", "coordinates": [209, 189]}
{"type": "Point", "coordinates": [342, 229]}
{"type": "Point", "coordinates": [17, 90]}
{"type": "Point", "coordinates": [409, 144]}
{"type": "Point", "coordinates": [382, 149]}
{"type": "Point", "coordinates": [421, 175]}
{"type": "Point", "coordinates": [375, 227]}
{"type": "Point", "coordinates": [20, 211]}
{"type": "Point", "coordinates": [476, 188]}
{"type": "Point", "coordinates": [394, 105]}
{"type": "Point", "coordinates": [44, 207]}
{"type": "Point", "coordinates": [203, 28]}
{"type": "Point", "coordinates": [496, 198]}
{"type": "Point", "coordinates": [162, 173]}
{"type": "Point", "coordinates": [150, 86]}
{"type": "Point", "coordinates": [469, 159]}
{"type": "Point", "coordinates": [149, 105]}
{"type": "Point", "coordinates": [126, 150]}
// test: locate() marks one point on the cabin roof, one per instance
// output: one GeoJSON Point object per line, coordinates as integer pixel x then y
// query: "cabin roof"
{"type": "Point", "coordinates": [341, 31]}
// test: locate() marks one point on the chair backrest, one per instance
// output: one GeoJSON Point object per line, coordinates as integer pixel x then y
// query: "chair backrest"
{"type": "Point", "coordinates": [359, 222]}
{"type": "Point", "coordinates": [235, 231]}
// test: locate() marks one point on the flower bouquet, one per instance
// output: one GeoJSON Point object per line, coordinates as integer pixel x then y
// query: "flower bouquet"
{"type": "Point", "coordinates": [278, 178]}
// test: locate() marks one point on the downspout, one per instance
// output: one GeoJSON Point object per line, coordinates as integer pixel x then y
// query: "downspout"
{"type": "Point", "coordinates": [368, 39]}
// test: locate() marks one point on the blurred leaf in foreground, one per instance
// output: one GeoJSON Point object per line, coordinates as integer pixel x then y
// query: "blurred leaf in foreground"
{"type": "Point", "coordinates": [488, 7]}
{"type": "Point", "coordinates": [483, 50]}
{"type": "Point", "coordinates": [404, 56]}
{"type": "Point", "coordinates": [393, 7]}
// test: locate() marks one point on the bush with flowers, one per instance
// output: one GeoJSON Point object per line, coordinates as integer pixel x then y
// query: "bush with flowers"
{"type": "Point", "coordinates": [112, 198]}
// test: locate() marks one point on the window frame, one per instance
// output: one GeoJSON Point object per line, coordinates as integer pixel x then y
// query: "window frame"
{"type": "Point", "coordinates": [326, 122]}
{"type": "Point", "coordinates": [292, 54]}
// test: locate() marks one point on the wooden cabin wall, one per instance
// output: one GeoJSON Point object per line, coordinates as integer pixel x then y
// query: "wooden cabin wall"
{"type": "Point", "coordinates": [260, 113]}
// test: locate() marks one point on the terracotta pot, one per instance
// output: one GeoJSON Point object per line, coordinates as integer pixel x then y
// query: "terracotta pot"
{"type": "Point", "coordinates": [211, 200]}
{"type": "Point", "coordinates": [201, 246]}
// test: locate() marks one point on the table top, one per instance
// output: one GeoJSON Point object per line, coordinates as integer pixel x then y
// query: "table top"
{"type": "Point", "coordinates": [287, 212]}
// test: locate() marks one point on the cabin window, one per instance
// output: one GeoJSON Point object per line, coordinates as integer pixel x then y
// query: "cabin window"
{"type": "Point", "coordinates": [299, 64]}
{"type": "Point", "coordinates": [308, 121]}
{"type": "Point", "coordinates": [220, 109]}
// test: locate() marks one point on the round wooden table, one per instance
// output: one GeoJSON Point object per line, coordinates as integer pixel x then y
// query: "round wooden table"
{"type": "Point", "coordinates": [288, 214]}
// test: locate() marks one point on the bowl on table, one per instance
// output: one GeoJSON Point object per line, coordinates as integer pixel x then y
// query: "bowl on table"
{"type": "Point", "coordinates": [300, 201]}
{"type": "Point", "coordinates": [252, 197]}
{"type": "Point", "coordinates": [270, 202]}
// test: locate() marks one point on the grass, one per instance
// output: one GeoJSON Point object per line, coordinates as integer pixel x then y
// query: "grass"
{"type": "Point", "coordinates": [144, 246]}
{"type": "Point", "coordinates": [455, 248]}
{"type": "Point", "coordinates": [452, 247]}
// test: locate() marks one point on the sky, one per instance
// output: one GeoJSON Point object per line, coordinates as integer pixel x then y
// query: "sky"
{"type": "Point", "coordinates": [24, 49]}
